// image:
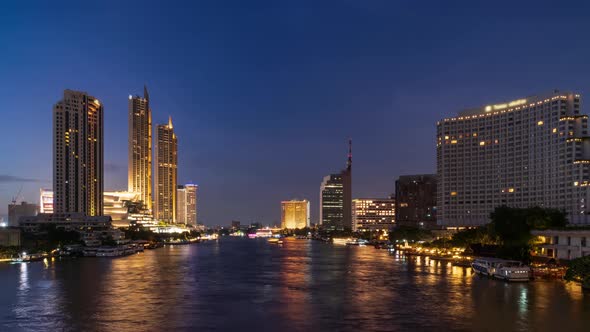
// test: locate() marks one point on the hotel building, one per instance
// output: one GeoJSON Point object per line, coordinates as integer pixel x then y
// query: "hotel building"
{"type": "Point", "coordinates": [186, 204]}
{"type": "Point", "coordinates": [165, 173]}
{"type": "Point", "coordinates": [336, 197]}
{"type": "Point", "coordinates": [415, 200]}
{"type": "Point", "coordinates": [373, 214]}
{"type": "Point", "coordinates": [529, 152]}
{"type": "Point", "coordinates": [78, 154]}
{"type": "Point", "coordinates": [294, 214]}
{"type": "Point", "coordinates": [140, 148]}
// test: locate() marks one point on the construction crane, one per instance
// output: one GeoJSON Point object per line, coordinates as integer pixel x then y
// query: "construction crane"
{"type": "Point", "coordinates": [15, 198]}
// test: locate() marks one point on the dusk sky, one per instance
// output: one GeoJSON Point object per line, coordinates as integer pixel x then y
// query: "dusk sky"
{"type": "Point", "coordinates": [265, 94]}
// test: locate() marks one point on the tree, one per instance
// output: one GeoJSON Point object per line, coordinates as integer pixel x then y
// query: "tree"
{"type": "Point", "coordinates": [512, 227]}
{"type": "Point", "coordinates": [579, 270]}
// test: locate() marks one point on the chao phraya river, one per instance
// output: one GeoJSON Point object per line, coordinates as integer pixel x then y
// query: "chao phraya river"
{"type": "Point", "coordinates": [251, 285]}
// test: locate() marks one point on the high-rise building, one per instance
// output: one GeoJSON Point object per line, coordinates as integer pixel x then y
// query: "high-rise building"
{"type": "Point", "coordinates": [373, 214]}
{"type": "Point", "coordinates": [294, 214]}
{"type": "Point", "coordinates": [336, 197]}
{"type": "Point", "coordinates": [78, 154]}
{"type": "Point", "coordinates": [186, 204]}
{"type": "Point", "coordinates": [165, 173]}
{"type": "Point", "coordinates": [24, 209]}
{"type": "Point", "coordinates": [191, 204]}
{"type": "Point", "coordinates": [181, 204]}
{"type": "Point", "coordinates": [140, 147]}
{"type": "Point", "coordinates": [415, 200]}
{"type": "Point", "coordinates": [528, 152]}
{"type": "Point", "coordinates": [45, 201]}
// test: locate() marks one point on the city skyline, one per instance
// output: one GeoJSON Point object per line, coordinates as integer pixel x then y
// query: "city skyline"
{"type": "Point", "coordinates": [236, 135]}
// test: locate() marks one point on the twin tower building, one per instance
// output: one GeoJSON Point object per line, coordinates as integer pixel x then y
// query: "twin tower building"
{"type": "Point", "coordinates": [78, 160]}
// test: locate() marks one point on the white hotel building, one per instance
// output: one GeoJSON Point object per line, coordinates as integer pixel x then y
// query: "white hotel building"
{"type": "Point", "coordinates": [528, 152]}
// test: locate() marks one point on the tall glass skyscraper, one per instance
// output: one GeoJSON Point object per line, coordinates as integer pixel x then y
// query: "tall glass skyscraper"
{"type": "Point", "coordinates": [140, 148]}
{"type": "Point", "coordinates": [165, 173]}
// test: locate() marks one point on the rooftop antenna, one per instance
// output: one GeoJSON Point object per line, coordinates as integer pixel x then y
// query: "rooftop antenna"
{"type": "Point", "coordinates": [349, 162]}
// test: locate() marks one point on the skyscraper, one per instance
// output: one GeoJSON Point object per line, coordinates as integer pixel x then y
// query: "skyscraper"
{"type": "Point", "coordinates": [295, 214]}
{"type": "Point", "coordinates": [78, 154]}
{"type": "Point", "coordinates": [336, 197]}
{"type": "Point", "coordinates": [528, 152]}
{"type": "Point", "coordinates": [186, 204]}
{"type": "Point", "coordinates": [140, 148]}
{"type": "Point", "coordinates": [165, 173]}
{"type": "Point", "coordinates": [415, 200]}
{"type": "Point", "coordinates": [191, 203]}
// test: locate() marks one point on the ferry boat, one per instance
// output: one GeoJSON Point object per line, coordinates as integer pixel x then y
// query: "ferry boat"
{"type": "Point", "coordinates": [339, 240]}
{"type": "Point", "coordinates": [502, 269]}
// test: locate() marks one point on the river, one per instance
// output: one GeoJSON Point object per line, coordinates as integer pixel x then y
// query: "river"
{"type": "Point", "coordinates": [250, 285]}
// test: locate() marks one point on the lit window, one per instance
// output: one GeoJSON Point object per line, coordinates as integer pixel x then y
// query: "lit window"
{"type": "Point", "coordinates": [482, 143]}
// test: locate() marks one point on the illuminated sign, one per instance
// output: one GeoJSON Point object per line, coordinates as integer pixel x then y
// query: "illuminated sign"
{"type": "Point", "coordinates": [496, 107]}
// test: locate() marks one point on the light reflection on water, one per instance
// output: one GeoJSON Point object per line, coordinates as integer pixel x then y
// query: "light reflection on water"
{"type": "Point", "coordinates": [242, 284]}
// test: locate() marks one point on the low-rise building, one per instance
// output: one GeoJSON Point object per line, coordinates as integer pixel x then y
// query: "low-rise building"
{"type": "Point", "coordinates": [92, 229]}
{"type": "Point", "coordinates": [563, 244]}
{"type": "Point", "coordinates": [373, 214]}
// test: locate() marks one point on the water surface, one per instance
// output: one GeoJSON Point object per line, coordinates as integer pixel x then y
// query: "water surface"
{"type": "Point", "coordinates": [250, 285]}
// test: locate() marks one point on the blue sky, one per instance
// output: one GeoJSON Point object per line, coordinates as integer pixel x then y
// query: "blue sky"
{"type": "Point", "coordinates": [264, 94]}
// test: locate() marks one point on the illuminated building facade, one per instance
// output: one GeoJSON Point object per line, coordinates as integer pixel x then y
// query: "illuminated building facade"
{"type": "Point", "coordinates": [370, 214]}
{"type": "Point", "coordinates": [529, 152]}
{"type": "Point", "coordinates": [336, 198]}
{"type": "Point", "coordinates": [140, 148]}
{"type": "Point", "coordinates": [415, 200]}
{"type": "Point", "coordinates": [165, 173]}
{"type": "Point", "coordinates": [115, 206]}
{"type": "Point", "coordinates": [78, 154]}
{"type": "Point", "coordinates": [186, 204]}
{"type": "Point", "coordinates": [45, 201]}
{"type": "Point", "coordinates": [294, 214]}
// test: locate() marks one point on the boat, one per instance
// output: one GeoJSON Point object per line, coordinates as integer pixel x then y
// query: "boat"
{"type": "Point", "coordinates": [338, 240]}
{"type": "Point", "coordinates": [275, 240]}
{"type": "Point", "coordinates": [513, 271]}
{"type": "Point", "coordinates": [357, 242]}
{"type": "Point", "coordinates": [502, 269]}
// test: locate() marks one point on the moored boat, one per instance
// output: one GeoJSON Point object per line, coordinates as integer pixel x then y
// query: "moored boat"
{"type": "Point", "coordinates": [502, 269]}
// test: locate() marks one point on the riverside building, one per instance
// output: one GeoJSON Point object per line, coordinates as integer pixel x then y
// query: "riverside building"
{"type": "Point", "coordinates": [186, 204]}
{"type": "Point", "coordinates": [336, 197]}
{"type": "Point", "coordinates": [78, 154]}
{"type": "Point", "coordinates": [415, 199]}
{"type": "Point", "coordinates": [373, 214]}
{"type": "Point", "coordinates": [533, 151]}
{"type": "Point", "coordinates": [294, 214]}
{"type": "Point", "coordinates": [140, 148]}
{"type": "Point", "coordinates": [165, 173]}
